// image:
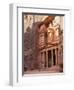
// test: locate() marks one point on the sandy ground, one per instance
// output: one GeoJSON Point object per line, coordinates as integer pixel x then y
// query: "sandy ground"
{"type": "Point", "coordinates": [53, 69]}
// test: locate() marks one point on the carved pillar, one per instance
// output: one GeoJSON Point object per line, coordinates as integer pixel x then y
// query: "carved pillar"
{"type": "Point", "coordinates": [46, 59]}
{"type": "Point", "coordinates": [39, 60]}
{"type": "Point", "coordinates": [52, 57]}
{"type": "Point", "coordinates": [56, 56]}
{"type": "Point", "coordinates": [42, 62]}
{"type": "Point", "coordinates": [59, 55]}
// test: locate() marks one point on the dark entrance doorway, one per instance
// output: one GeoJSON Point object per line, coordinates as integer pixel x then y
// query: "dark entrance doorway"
{"type": "Point", "coordinates": [45, 60]}
{"type": "Point", "coordinates": [49, 58]}
{"type": "Point", "coordinates": [54, 57]}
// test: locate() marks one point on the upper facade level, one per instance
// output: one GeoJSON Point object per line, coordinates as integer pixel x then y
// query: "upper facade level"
{"type": "Point", "coordinates": [49, 36]}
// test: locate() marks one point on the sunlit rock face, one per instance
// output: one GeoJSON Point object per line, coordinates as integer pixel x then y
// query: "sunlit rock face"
{"type": "Point", "coordinates": [30, 19]}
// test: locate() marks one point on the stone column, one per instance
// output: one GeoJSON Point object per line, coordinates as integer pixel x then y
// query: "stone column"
{"type": "Point", "coordinates": [46, 59]}
{"type": "Point", "coordinates": [59, 55]}
{"type": "Point", "coordinates": [42, 60]}
{"type": "Point", "coordinates": [52, 57]}
{"type": "Point", "coordinates": [56, 54]}
{"type": "Point", "coordinates": [39, 60]}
